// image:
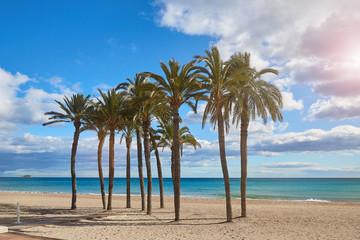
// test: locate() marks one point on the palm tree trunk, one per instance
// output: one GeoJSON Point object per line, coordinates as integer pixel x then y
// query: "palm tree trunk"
{"type": "Point", "coordinates": [73, 156]}
{"type": "Point", "coordinates": [141, 177]}
{"type": "Point", "coordinates": [146, 126]}
{"type": "Point", "coordinates": [176, 155]}
{"type": "Point", "coordinates": [224, 166]}
{"type": "Point", "coordinates": [172, 165]}
{"type": "Point", "coordinates": [243, 149]}
{"type": "Point", "coordinates": [158, 163]}
{"type": "Point", "coordinates": [111, 167]}
{"type": "Point", "coordinates": [161, 183]}
{"type": "Point", "coordinates": [160, 178]}
{"type": "Point", "coordinates": [128, 197]}
{"type": "Point", "coordinates": [101, 177]}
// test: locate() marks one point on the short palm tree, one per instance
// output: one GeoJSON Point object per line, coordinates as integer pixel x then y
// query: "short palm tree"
{"type": "Point", "coordinates": [151, 105]}
{"type": "Point", "coordinates": [180, 86]}
{"type": "Point", "coordinates": [140, 162]}
{"type": "Point", "coordinates": [134, 88]}
{"type": "Point", "coordinates": [154, 139]}
{"type": "Point", "coordinates": [254, 98]}
{"type": "Point", "coordinates": [217, 83]}
{"type": "Point", "coordinates": [94, 121]}
{"type": "Point", "coordinates": [74, 110]}
{"type": "Point", "coordinates": [127, 133]}
{"type": "Point", "coordinates": [112, 106]}
{"type": "Point", "coordinates": [166, 136]}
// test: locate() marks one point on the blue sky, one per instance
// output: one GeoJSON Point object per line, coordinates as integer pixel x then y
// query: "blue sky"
{"type": "Point", "coordinates": [49, 49]}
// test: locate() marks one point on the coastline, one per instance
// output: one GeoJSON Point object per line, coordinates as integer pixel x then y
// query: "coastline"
{"type": "Point", "coordinates": [334, 189]}
{"type": "Point", "coordinates": [167, 196]}
{"type": "Point", "coordinates": [136, 198]}
{"type": "Point", "coordinates": [48, 215]}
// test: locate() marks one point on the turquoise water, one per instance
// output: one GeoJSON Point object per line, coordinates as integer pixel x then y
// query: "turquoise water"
{"type": "Point", "coordinates": [303, 189]}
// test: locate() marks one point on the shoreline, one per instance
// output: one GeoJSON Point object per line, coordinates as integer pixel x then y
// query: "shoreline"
{"type": "Point", "coordinates": [167, 196]}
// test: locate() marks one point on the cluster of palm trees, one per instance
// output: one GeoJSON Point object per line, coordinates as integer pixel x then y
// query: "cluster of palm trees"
{"type": "Point", "coordinates": [234, 92]}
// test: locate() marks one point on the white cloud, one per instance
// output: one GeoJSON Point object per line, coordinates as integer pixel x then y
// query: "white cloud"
{"type": "Point", "coordinates": [58, 84]}
{"type": "Point", "coordinates": [270, 139]}
{"type": "Point", "coordinates": [339, 138]}
{"type": "Point", "coordinates": [289, 165]}
{"type": "Point", "coordinates": [77, 87]}
{"type": "Point", "coordinates": [29, 143]}
{"type": "Point", "coordinates": [6, 127]}
{"type": "Point", "coordinates": [197, 117]}
{"type": "Point", "coordinates": [102, 86]}
{"type": "Point", "coordinates": [291, 169]}
{"type": "Point", "coordinates": [23, 105]}
{"type": "Point", "coordinates": [35, 172]}
{"type": "Point", "coordinates": [267, 154]}
{"type": "Point", "coordinates": [52, 154]}
{"type": "Point", "coordinates": [335, 108]}
{"type": "Point", "coordinates": [289, 103]}
{"type": "Point", "coordinates": [9, 86]}
{"type": "Point", "coordinates": [270, 27]}
{"type": "Point", "coordinates": [48, 154]}
{"type": "Point", "coordinates": [312, 41]}
{"type": "Point", "coordinates": [284, 83]}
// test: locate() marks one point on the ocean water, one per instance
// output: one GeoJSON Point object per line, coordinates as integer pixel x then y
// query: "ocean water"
{"type": "Point", "coordinates": [298, 189]}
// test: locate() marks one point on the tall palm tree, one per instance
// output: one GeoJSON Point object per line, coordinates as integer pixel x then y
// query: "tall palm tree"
{"type": "Point", "coordinates": [217, 83]}
{"type": "Point", "coordinates": [180, 86]}
{"type": "Point", "coordinates": [128, 132]}
{"type": "Point", "coordinates": [134, 88]}
{"type": "Point", "coordinates": [94, 121]}
{"type": "Point", "coordinates": [112, 106]}
{"type": "Point", "coordinates": [254, 98]}
{"type": "Point", "coordinates": [154, 138]}
{"type": "Point", "coordinates": [74, 111]}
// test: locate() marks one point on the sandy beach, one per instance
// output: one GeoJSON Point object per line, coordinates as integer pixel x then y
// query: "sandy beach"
{"type": "Point", "coordinates": [48, 215]}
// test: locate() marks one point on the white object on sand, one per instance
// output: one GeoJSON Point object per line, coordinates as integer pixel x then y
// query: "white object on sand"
{"type": "Point", "coordinates": [3, 229]}
{"type": "Point", "coordinates": [18, 213]}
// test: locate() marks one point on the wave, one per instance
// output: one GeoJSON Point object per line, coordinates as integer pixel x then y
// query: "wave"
{"type": "Point", "coordinates": [315, 200]}
{"type": "Point", "coordinates": [45, 192]}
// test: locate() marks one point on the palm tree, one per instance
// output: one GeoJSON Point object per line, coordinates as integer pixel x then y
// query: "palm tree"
{"type": "Point", "coordinates": [134, 88]}
{"type": "Point", "coordinates": [185, 136]}
{"type": "Point", "coordinates": [128, 132]}
{"type": "Point", "coordinates": [180, 86]}
{"type": "Point", "coordinates": [140, 169]}
{"type": "Point", "coordinates": [74, 111]}
{"type": "Point", "coordinates": [167, 136]}
{"type": "Point", "coordinates": [151, 105]}
{"type": "Point", "coordinates": [217, 84]}
{"type": "Point", "coordinates": [112, 106]}
{"type": "Point", "coordinates": [94, 121]}
{"type": "Point", "coordinates": [255, 98]}
{"type": "Point", "coordinates": [154, 137]}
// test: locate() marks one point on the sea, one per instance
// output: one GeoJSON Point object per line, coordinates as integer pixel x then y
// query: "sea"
{"type": "Point", "coordinates": [293, 189]}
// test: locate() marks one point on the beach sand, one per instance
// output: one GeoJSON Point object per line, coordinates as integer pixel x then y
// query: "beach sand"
{"type": "Point", "coordinates": [48, 215]}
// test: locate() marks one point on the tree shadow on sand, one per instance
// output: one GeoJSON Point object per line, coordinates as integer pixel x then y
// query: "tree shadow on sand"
{"type": "Point", "coordinates": [34, 216]}
{"type": "Point", "coordinates": [39, 216]}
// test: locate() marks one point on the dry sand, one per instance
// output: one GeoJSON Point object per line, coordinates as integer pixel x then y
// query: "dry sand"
{"type": "Point", "coordinates": [47, 215]}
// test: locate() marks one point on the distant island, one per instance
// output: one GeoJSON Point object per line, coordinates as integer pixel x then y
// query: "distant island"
{"type": "Point", "coordinates": [27, 176]}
